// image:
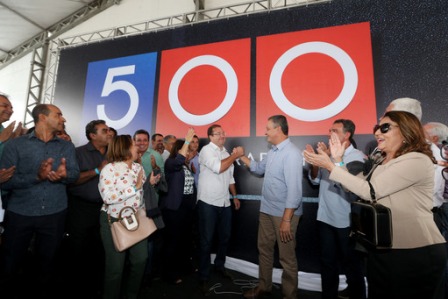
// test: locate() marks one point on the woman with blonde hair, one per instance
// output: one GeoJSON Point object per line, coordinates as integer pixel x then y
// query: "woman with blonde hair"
{"type": "Point", "coordinates": [120, 186]}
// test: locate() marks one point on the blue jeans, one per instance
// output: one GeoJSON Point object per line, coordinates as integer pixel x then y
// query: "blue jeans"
{"type": "Point", "coordinates": [213, 218]}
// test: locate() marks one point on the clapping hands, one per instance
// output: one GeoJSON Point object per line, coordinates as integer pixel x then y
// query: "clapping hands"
{"type": "Point", "coordinates": [322, 158]}
{"type": "Point", "coordinates": [45, 172]}
{"type": "Point", "coordinates": [6, 174]}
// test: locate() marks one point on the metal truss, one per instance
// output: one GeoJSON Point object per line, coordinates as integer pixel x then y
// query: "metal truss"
{"type": "Point", "coordinates": [47, 94]}
{"type": "Point", "coordinates": [56, 30]}
{"type": "Point", "coordinates": [35, 82]}
{"type": "Point", "coordinates": [39, 45]}
{"type": "Point", "coordinates": [198, 16]}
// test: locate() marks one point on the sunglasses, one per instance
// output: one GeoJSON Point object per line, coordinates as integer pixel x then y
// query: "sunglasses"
{"type": "Point", "coordinates": [384, 128]}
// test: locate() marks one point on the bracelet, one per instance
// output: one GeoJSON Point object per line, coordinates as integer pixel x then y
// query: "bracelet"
{"type": "Point", "coordinates": [339, 163]}
{"type": "Point", "coordinates": [187, 142]}
{"type": "Point", "coordinates": [286, 220]}
{"type": "Point", "coordinates": [235, 196]}
{"type": "Point", "coordinates": [97, 171]}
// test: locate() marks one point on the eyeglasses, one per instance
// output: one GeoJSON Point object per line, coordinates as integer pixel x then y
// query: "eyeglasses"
{"type": "Point", "coordinates": [445, 173]}
{"type": "Point", "coordinates": [444, 151]}
{"type": "Point", "coordinates": [5, 105]}
{"type": "Point", "coordinates": [219, 134]}
{"type": "Point", "coordinates": [384, 128]}
{"type": "Point", "coordinates": [444, 155]}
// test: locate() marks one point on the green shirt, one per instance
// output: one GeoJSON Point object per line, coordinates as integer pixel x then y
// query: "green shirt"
{"type": "Point", "coordinates": [146, 161]}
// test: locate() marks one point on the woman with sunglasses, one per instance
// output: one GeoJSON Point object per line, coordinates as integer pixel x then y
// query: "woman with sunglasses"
{"type": "Point", "coordinates": [403, 181]}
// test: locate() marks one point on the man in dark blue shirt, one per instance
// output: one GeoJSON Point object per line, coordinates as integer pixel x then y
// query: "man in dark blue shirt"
{"type": "Point", "coordinates": [37, 204]}
{"type": "Point", "coordinates": [84, 207]}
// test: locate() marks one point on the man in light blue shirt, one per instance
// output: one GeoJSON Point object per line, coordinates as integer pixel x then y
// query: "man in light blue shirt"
{"type": "Point", "coordinates": [333, 216]}
{"type": "Point", "coordinates": [280, 210]}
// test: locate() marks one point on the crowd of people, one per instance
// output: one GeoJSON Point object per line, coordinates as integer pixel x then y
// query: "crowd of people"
{"type": "Point", "coordinates": [52, 189]}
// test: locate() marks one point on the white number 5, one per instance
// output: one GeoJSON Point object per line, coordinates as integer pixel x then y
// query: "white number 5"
{"type": "Point", "coordinates": [111, 86]}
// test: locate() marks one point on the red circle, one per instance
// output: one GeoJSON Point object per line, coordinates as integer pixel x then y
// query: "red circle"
{"type": "Point", "coordinates": [202, 89]}
{"type": "Point", "coordinates": [318, 86]}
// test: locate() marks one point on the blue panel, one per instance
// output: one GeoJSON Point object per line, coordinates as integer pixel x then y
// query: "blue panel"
{"type": "Point", "coordinates": [121, 92]}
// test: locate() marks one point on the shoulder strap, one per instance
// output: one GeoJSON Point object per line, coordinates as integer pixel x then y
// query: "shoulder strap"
{"type": "Point", "coordinates": [372, 191]}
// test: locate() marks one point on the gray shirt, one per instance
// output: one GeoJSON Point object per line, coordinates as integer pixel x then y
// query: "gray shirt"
{"type": "Point", "coordinates": [334, 202]}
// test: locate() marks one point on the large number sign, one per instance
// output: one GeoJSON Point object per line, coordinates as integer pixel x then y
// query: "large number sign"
{"type": "Point", "coordinates": [313, 77]}
{"type": "Point", "coordinates": [205, 84]}
{"type": "Point", "coordinates": [121, 92]}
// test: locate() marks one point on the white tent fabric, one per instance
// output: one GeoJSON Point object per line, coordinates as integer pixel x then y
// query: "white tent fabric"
{"type": "Point", "coordinates": [307, 281]}
{"type": "Point", "coordinates": [21, 20]}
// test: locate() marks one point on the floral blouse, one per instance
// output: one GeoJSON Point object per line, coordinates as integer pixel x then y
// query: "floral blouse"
{"type": "Point", "coordinates": [117, 188]}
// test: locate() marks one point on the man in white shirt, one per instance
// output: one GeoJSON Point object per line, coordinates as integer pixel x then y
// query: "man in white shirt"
{"type": "Point", "coordinates": [214, 206]}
